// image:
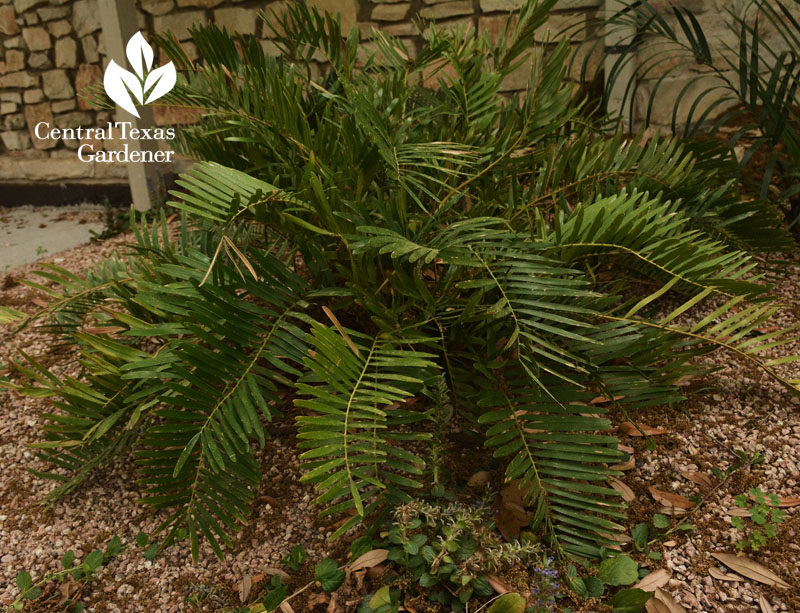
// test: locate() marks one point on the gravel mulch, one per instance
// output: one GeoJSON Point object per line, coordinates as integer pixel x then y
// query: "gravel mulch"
{"type": "Point", "coordinates": [737, 408]}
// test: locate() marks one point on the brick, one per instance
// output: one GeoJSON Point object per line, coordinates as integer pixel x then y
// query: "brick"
{"type": "Point", "coordinates": [7, 108]}
{"type": "Point", "coordinates": [62, 106]}
{"type": "Point", "coordinates": [495, 25]}
{"type": "Point", "coordinates": [56, 85]}
{"type": "Point", "coordinates": [66, 53]}
{"type": "Point", "coordinates": [51, 13]}
{"type": "Point", "coordinates": [236, 19]}
{"type": "Point", "coordinates": [15, 60]}
{"type": "Point", "coordinates": [14, 122]}
{"type": "Point", "coordinates": [90, 52]}
{"type": "Point", "coordinates": [346, 9]}
{"type": "Point", "coordinates": [179, 23]}
{"type": "Point", "coordinates": [400, 29]}
{"type": "Point", "coordinates": [39, 61]}
{"type": "Point", "coordinates": [32, 96]}
{"type": "Point", "coordinates": [208, 4]}
{"type": "Point", "coordinates": [23, 5]}
{"type": "Point", "coordinates": [15, 141]}
{"type": "Point", "coordinates": [59, 28]}
{"type": "Point", "coordinates": [8, 20]}
{"type": "Point", "coordinates": [37, 113]}
{"type": "Point", "coordinates": [15, 42]}
{"type": "Point", "coordinates": [85, 18]}
{"type": "Point", "coordinates": [18, 79]}
{"type": "Point", "coordinates": [447, 9]}
{"type": "Point", "coordinates": [391, 12]}
{"type": "Point", "coordinates": [157, 7]}
{"type": "Point", "coordinates": [36, 39]}
{"type": "Point", "coordinates": [88, 75]}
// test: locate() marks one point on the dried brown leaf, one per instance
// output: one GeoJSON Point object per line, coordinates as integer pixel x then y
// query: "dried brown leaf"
{"type": "Point", "coordinates": [739, 512]}
{"type": "Point", "coordinates": [104, 329]}
{"type": "Point", "coordinates": [718, 574]}
{"type": "Point", "coordinates": [701, 479]}
{"type": "Point", "coordinates": [665, 602]}
{"type": "Point", "coordinates": [751, 569]}
{"type": "Point", "coordinates": [603, 399]}
{"type": "Point", "coordinates": [764, 604]}
{"type": "Point", "coordinates": [656, 579]}
{"type": "Point", "coordinates": [670, 543]}
{"type": "Point", "coordinates": [244, 587]}
{"type": "Point", "coordinates": [627, 493]}
{"type": "Point", "coordinates": [369, 559]}
{"type": "Point", "coordinates": [479, 479]}
{"type": "Point", "coordinates": [500, 586]}
{"type": "Point", "coordinates": [627, 465]}
{"type": "Point", "coordinates": [669, 499]}
{"type": "Point", "coordinates": [628, 428]}
{"type": "Point", "coordinates": [511, 515]}
{"type": "Point", "coordinates": [674, 511]}
{"type": "Point", "coordinates": [269, 570]}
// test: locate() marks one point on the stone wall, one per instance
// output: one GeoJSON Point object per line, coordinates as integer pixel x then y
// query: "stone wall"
{"type": "Point", "coordinates": [50, 50]}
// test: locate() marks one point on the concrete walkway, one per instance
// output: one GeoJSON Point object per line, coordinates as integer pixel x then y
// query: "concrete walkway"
{"type": "Point", "coordinates": [28, 233]}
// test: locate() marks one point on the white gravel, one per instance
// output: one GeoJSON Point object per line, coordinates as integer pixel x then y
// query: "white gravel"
{"type": "Point", "coordinates": [746, 411]}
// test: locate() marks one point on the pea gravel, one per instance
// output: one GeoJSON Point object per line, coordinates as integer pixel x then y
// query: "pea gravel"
{"type": "Point", "coordinates": [742, 409]}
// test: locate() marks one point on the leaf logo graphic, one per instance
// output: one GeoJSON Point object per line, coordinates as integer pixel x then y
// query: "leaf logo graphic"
{"type": "Point", "coordinates": [143, 85]}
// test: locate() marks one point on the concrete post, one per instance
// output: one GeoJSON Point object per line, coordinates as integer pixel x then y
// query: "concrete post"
{"type": "Point", "coordinates": [120, 21]}
{"type": "Point", "coordinates": [616, 40]}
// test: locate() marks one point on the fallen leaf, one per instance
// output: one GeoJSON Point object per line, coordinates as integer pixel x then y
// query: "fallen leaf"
{"type": "Point", "coordinates": [750, 569]}
{"type": "Point", "coordinates": [631, 463]}
{"type": "Point", "coordinates": [674, 511]}
{"type": "Point", "coordinates": [479, 479]}
{"type": "Point", "coordinates": [627, 428]}
{"type": "Point", "coordinates": [500, 586]}
{"type": "Point", "coordinates": [286, 607]}
{"type": "Point", "coordinates": [701, 479]}
{"type": "Point", "coordinates": [40, 303]}
{"type": "Point", "coordinates": [603, 399]}
{"type": "Point", "coordinates": [104, 329]}
{"type": "Point", "coordinates": [369, 559]}
{"type": "Point", "coordinates": [670, 500]}
{"type": "Point", "coordinates": [782, 502]}
{"type": "Point", "coordinates": [269, 570]}
{"type": "Point", "coordinates": [244, 588]}
{"type": "Point", "coordinates": [670, 543]}
{"type": "Point", "coordinates": [656, 579]}
{"type": "Point", "coordinates": [625, 448]}
{"type": "Point", "coordinates": [718, 574]}
{"type": "Point", "coordinates": [739, 512]}
{"type": "Point", "coordinates": [764, 604]}
{"type": "Point", "coordinates": [662, 602]}
{"type": "Point", "coordinates": [511, 515]}
{"type": "Point", "coordinates": [627, 493]}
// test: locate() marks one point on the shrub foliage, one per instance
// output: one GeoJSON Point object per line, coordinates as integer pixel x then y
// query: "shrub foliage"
{"type": "Point", "coordinates": [352, 238]}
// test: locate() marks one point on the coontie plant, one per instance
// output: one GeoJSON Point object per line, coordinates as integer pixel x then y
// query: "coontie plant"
{"type": "Point", "coordinates": [353, 238]}
{"type": "Point", "coordinates": [748, 84]}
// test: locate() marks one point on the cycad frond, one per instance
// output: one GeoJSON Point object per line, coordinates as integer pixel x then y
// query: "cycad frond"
{"type": "Point", "coordinates": [356, 392]}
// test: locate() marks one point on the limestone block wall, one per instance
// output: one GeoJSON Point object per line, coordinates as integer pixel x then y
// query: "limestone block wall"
{"type": "Point", "coordinates": [50, 50]}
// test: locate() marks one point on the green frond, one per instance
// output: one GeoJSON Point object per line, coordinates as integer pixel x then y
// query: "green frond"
{"type": "Point", "coordinates": [355, 393]}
